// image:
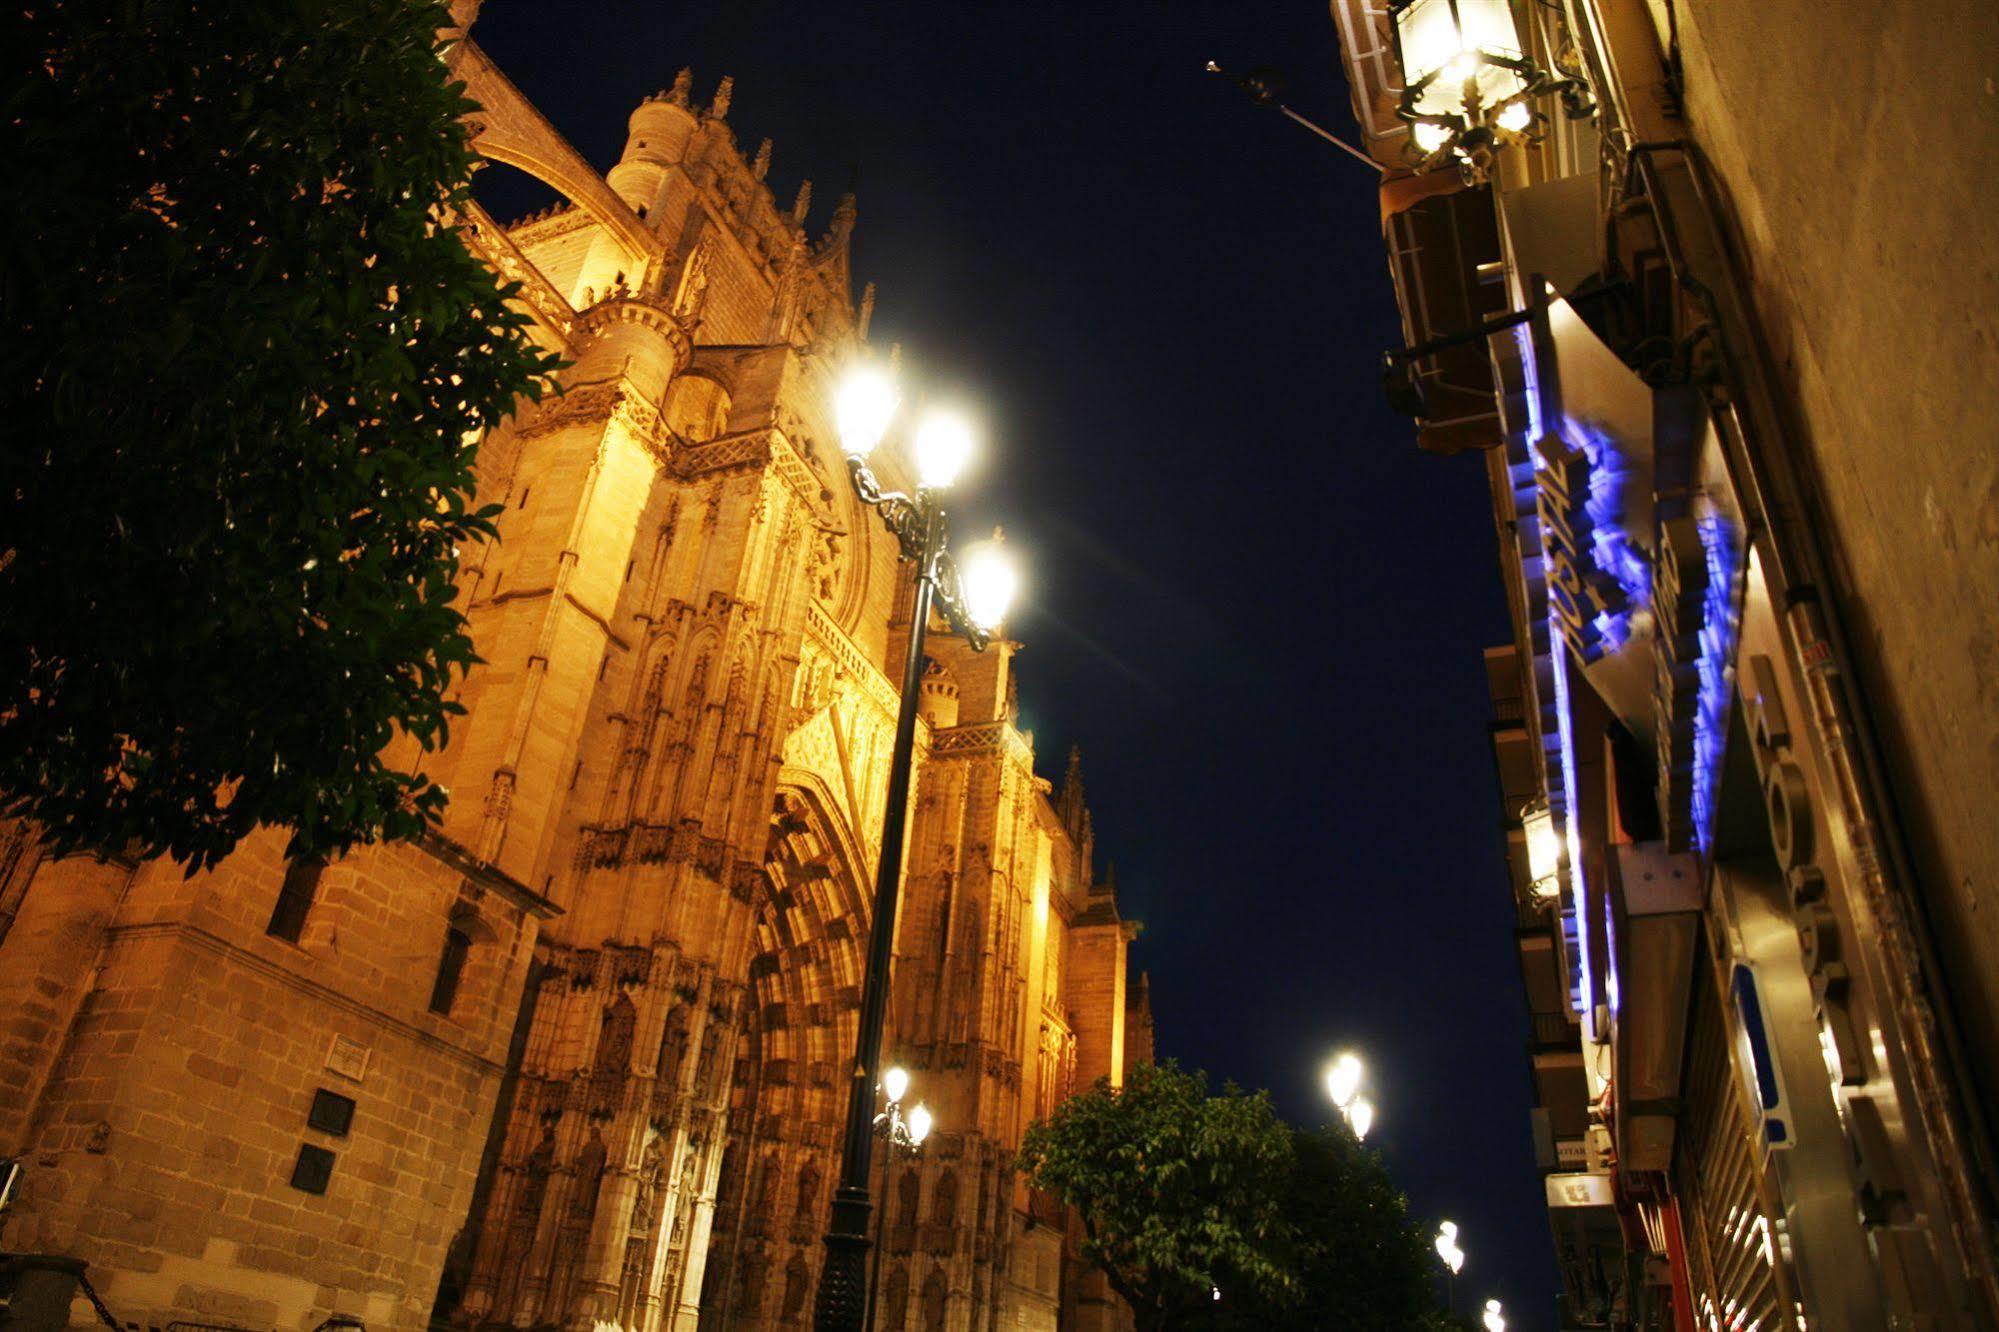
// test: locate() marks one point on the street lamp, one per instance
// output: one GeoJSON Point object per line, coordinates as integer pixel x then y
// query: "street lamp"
{"type": "Point", "coordinates": [1494, 1322]}
{"type": "Point", "coordinates": [1544, 849]}
{"type": "Point", "coordinates": [1454, 1261]}
{"type": "Point", "coordinates": [1467, 79]}
{"type": "Point", "coordinates": [865, 405]}
{"type": "Point", "coordinates": [1343, 1082]}
{"type": "Point", "coordinates": [898, 1132]}
{"type": "Point", "coordinates": [1343, 1079]}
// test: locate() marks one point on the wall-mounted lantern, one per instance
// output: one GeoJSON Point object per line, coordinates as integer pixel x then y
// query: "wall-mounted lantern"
{"type": "Point", "coordinates": [1467, 81]}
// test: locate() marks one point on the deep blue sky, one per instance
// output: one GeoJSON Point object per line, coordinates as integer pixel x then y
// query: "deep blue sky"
{"type": "Point", "coordinates": [1255, 605]}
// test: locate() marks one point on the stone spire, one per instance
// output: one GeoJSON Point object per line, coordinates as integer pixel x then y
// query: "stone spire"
{"type": "Point", "coordinates": [683, 87]}
{"type": "Point", "coordinates": [802, 204]}
{"type": "Point", "coordinates": [761, 167]}
{"type": "Point", "coordinates": [1069, 796]}
{"type": "Point", "coordinates": [867, 313]}
{"type": "Point", "coordinates": [724, 91]}
{"type": "Point", "coordinates": [844, 213]}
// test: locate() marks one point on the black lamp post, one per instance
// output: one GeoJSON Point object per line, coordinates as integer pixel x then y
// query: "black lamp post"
{"type": "Point", "coordinates": [972, 600]}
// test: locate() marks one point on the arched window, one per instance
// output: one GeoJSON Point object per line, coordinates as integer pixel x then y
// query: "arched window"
{"type": "Point", "coordinates": [908, 1189]}
{"type": "Point", "coordinates": [697, 408]}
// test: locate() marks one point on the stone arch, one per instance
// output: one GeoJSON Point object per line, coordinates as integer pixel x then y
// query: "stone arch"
{"type": "Point", "coordinates": [803, 962]}
{"type": "Point", "coordinates": [507, 128]}
{"type": "Point", "coordinates": [697, 407]}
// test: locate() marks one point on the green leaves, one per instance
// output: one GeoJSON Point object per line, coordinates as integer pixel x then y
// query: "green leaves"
{"type": "Point", "coordinates": [1181, 1194]}
{"type": "Point", "coordinates": [245, 362]}
{"type": "Point", "coordinates": [1175, 1188]}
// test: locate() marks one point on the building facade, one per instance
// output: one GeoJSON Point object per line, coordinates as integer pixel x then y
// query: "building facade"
{"type": "Point", "coordinates": [1712, 302]}
{"type": "Point", "coordinates": [577, 1059]}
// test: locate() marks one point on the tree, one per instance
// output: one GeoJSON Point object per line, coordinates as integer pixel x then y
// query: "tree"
{"type": "Point", "coordinates": [1347, 1240]}
{"type": "Point", "coordinates": [247, 360]}
{"type": "Point", "coordinates": [1176, 1189]}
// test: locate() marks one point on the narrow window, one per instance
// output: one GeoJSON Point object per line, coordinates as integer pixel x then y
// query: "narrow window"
{"type": "Point", "coordinates": [457, 943]}
{"type": "Point", "coordinates": [301, 885]}
{"type": "Point", "coordinates": [525, 492]}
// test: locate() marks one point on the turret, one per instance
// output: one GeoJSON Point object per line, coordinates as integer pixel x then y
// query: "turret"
{"type": "Point", "coordinates": [657, 138]}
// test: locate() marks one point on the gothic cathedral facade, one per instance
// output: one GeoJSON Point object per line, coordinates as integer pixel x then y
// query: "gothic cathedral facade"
{"type": "Point", "coordinates": [577, 1060]}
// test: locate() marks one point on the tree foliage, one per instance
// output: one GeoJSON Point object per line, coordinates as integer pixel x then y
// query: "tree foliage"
{"type": "Point", "coordinates": [247, 359]}
{"type": "Point", "coordinates": [1182, 1195]}
{"type": "Point", "coordinates": [1347, 1240]}
{"type": "Point", "coordinates": [1177, 1190]}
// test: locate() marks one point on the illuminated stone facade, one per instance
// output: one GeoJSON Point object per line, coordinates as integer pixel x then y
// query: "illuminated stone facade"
{"type": "Point", "coordinates": [650, 893]}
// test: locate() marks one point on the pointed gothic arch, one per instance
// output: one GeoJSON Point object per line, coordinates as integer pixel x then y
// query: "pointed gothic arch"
{"type": "Point", "coordinates": [804, 960]}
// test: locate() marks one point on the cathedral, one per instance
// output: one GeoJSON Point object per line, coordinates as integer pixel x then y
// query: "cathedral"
{"type": "Point", "coordinates": [577, 1057]}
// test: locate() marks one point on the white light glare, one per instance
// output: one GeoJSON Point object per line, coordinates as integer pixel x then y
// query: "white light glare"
{"type": "Point", "coordinates": [1343, 1079]}
{"type": "Point", "coordinates": [1429, 138]}
{"type": "Point", "coordinates": [919, 1124]}
{"type": "Point", "coordinates": [987, 582]}
{"type": "Point", "coordinates": [865, 404]}
{"type": "Point", "coordinates": [1544, 850]}
{"type": "Point", "coordinates": [895, 1084]}
{"type": "Point", "coordinates": [1514, 117]}
{"type": "Point", "coordinates": [1447, 1247]}
{"type": "Point", "coordinates": [1361, 1116]}
{"type": "Point", "coordinates": [1493, 1321]}
{"type": "Point", "coordinates": [943, 447]}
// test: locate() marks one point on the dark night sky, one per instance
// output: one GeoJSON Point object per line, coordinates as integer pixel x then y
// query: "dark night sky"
{"type": "Point", "coordinates": [1253, 603]}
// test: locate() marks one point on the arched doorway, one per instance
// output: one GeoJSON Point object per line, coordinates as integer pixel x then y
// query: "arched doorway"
{"type": "Point", "coordinates": [789, 1100]}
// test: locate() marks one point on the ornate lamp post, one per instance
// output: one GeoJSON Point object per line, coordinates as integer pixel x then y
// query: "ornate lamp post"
{"type": "Point", "coordinates": [891, 1127]}
{"type": "Point", "coordinates": [972, 598]}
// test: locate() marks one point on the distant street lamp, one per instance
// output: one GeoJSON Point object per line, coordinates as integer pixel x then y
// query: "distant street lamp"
{"type": "Point", "coordinates": [1343, 1082]}
{"type": "Point", "coordinates": [973, 601]}
{"type": "Point", "coordinates": [1494, 1322]}
{"type": "Point", "coordinates": [890, 1126]}
{"type": "Point", "coordinates": [1454, 1261]}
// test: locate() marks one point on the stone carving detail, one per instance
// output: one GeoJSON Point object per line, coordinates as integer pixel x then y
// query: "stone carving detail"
{"type": "Point", "coordinates": [692, 295]}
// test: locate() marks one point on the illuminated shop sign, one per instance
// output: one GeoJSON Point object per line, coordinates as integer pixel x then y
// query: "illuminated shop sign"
{"type": "Point", "coordinates": [1641, 556]}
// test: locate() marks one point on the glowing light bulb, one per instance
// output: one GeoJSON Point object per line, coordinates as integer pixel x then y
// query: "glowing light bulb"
{"type": "Point", "coordinates": [1343, 1079]}
{"type": "Point", "coordinates": [895, 1084]}
{"type": "Point", "coordinates": [919, 1124]}
{"type": "Point", "coordinates": [1429, 138]}
{"type": "Point", "coordinates": [987, 582]}
{"type": "Point", "coordinates": [943, 447]}
{"type": "Point", "coordinates": [1361, 1116]}
{"type": "Point", "coordinates": [1514, 117]}
{"type": "Point", "coordinates": [863, 409]}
